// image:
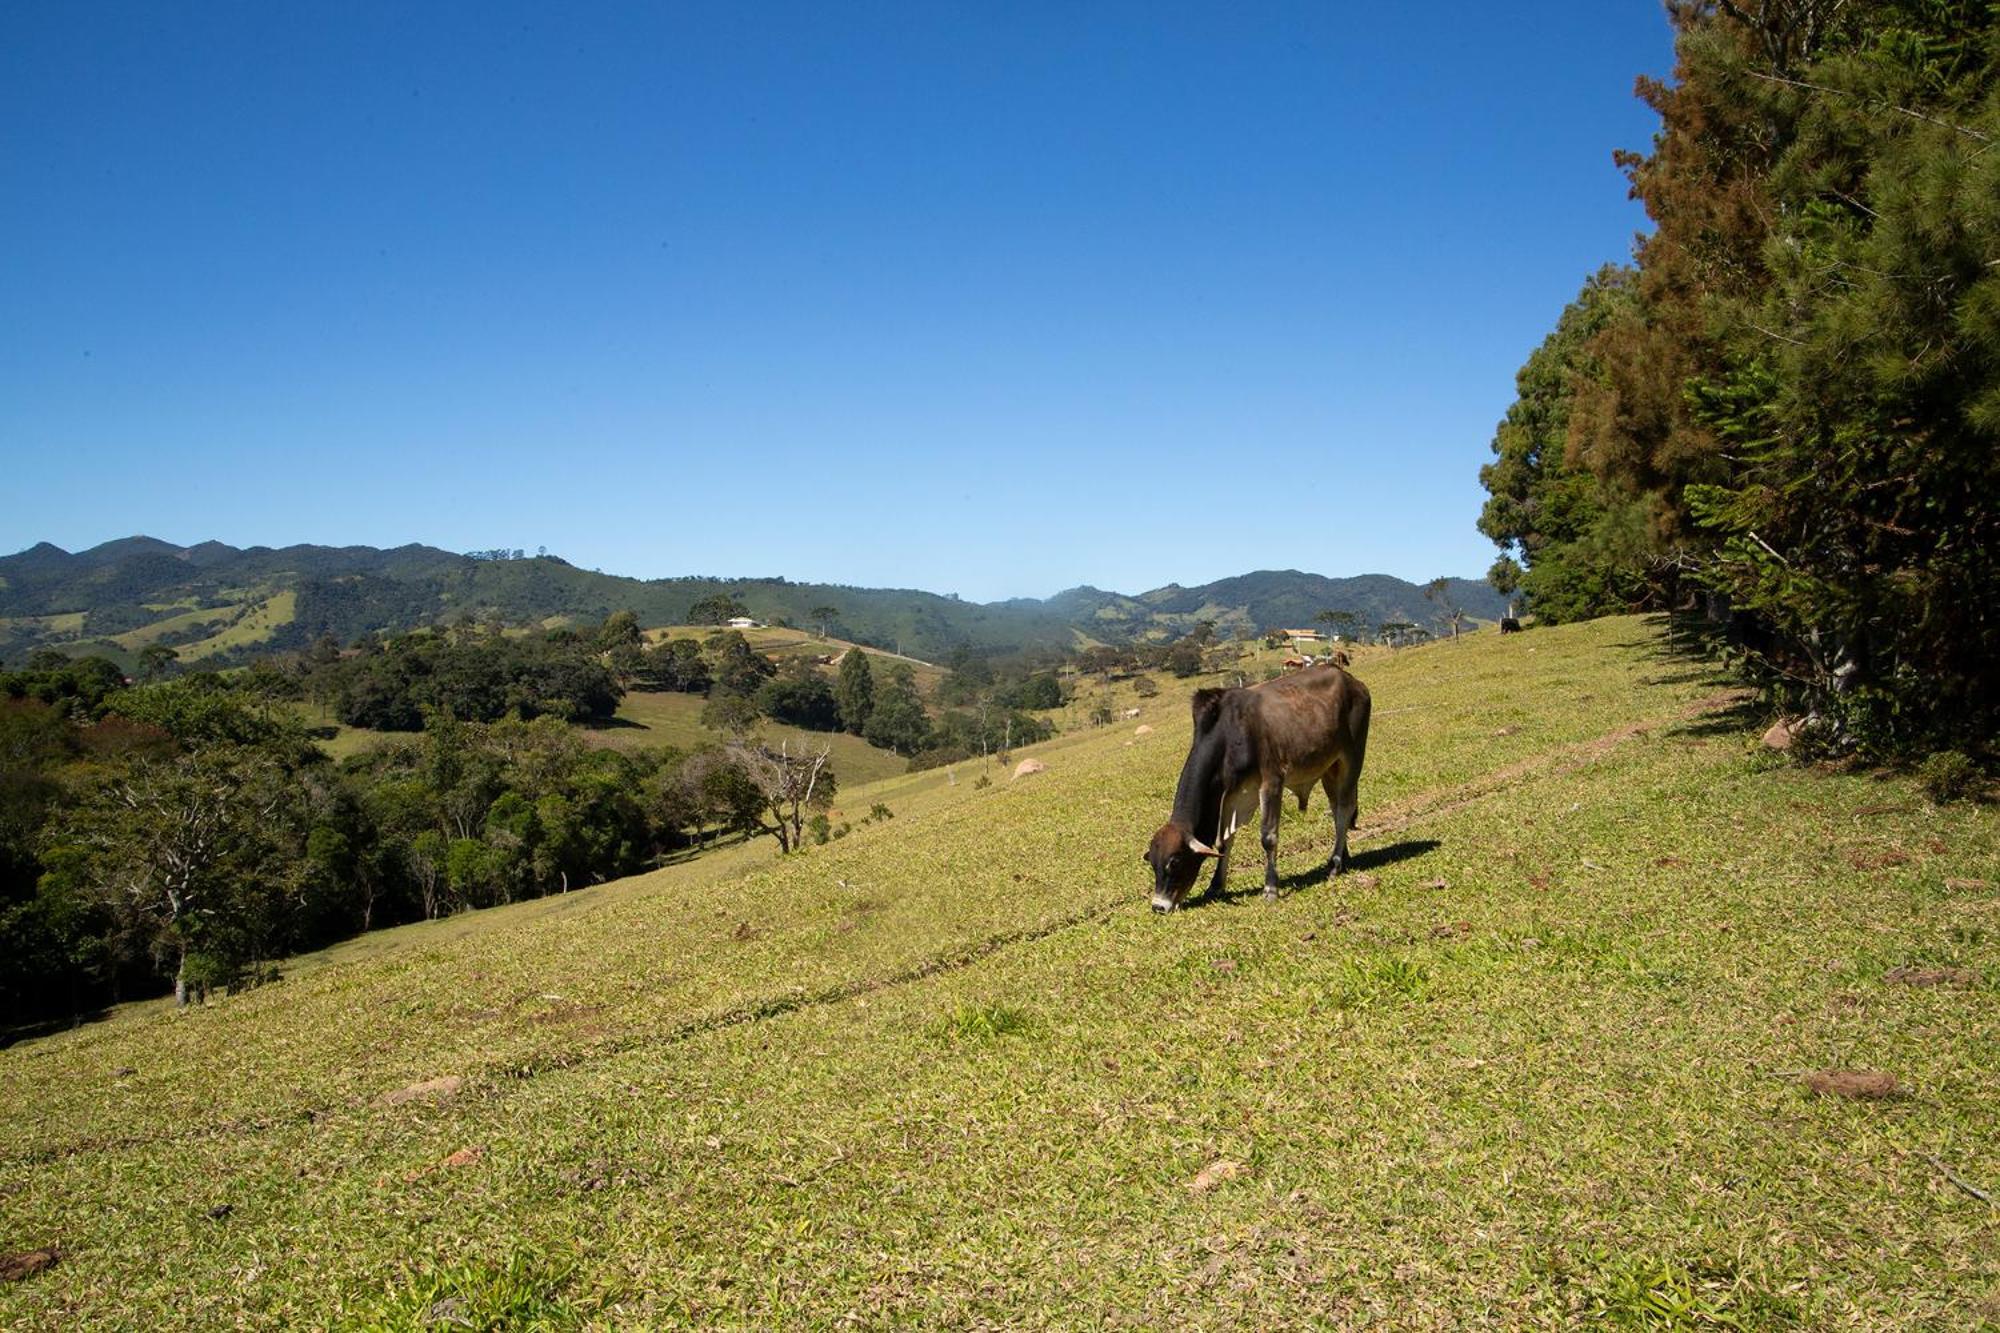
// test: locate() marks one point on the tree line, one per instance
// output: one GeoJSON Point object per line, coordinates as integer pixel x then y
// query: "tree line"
{"type": "Point", "coordinates": [1786, 413]}
{"type": "Point", "coordinates": [184, 833]}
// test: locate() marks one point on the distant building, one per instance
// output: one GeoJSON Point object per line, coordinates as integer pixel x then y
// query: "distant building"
{"type": "Point", "coordinates": [1303, 635]}
{"type": "Point", "coordinates": [744, 622]}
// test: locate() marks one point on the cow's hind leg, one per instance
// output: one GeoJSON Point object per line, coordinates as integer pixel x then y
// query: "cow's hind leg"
{"type": "Point", "coordinates": [1273, 796]}
{"type": "Point", "coordinates": [1341, 796]}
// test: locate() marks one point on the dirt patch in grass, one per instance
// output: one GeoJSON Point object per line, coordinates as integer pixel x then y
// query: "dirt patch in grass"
{"type": "Point", "coordinates": [431, 1089]}
{"type": "Point", "coordinates": [19, 1267]}
{"type": "Point", "coordinates": [1215, 1173]}
{"type": "Point", "coordinates": [1861, 1085]}
{"type": "Point", "coordinates": [1931, 976]}
{"type": "Point", "coordinates": [1866, 858]}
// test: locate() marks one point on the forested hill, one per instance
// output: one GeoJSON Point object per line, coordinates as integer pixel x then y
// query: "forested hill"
{"type": "Point", "coordinates": [219, 603]}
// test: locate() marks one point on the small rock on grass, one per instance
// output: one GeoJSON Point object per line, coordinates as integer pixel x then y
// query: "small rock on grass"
{"type": "Point", "coordinates": [18, 1267]}
{"type": "Point", "coordinates": [1861, 1085]}
{"type": "Point", "coordinates": [1214, 1174]}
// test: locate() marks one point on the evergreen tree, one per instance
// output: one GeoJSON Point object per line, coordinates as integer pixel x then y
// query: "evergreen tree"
{"type": "Point", "coordinates": [854, 692]}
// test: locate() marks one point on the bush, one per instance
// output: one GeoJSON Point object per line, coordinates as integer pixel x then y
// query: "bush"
{"type": "Point", "coordinates": [1948, 776]}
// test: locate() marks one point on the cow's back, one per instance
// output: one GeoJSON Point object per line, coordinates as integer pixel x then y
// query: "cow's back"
{"type": "Point", "coordinates": [1307, 720]}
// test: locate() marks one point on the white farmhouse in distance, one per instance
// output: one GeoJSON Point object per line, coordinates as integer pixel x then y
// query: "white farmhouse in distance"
{"type": "Point", "coordinates": [743, 622]}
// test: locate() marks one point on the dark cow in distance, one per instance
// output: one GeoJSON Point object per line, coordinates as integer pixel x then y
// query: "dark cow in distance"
{"type": "Point", "coordinates": [1250, 745]}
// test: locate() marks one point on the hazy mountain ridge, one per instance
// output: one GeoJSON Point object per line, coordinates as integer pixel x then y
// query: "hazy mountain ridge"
{"type": "Point", "coordinates": [122, 587]}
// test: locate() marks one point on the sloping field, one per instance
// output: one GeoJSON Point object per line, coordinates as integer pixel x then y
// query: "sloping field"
{"type": "Point", "coordinates": [1541, 1061]}
{"type": "Point", "coordinates": [262, 620]}
{"type": "Point", "coordinates": [652, 718]}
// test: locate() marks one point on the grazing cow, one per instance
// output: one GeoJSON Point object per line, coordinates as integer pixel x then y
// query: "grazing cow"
{"type": "Point", "coordinates": [1250, 745]}
{"type": "Point", "coordinates": [1509, 625]}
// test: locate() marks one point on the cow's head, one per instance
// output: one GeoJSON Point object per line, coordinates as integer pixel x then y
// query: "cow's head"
{"type": "Point", "coordinates": [1176, 856]}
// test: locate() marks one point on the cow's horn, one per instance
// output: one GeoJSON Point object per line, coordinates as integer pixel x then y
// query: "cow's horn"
{"type": "Point", "coordinates": [1200, 848]}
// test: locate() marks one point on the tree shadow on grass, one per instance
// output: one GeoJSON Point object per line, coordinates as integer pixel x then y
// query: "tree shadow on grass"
{"type": "Point", "coordinates": [1741, 718]}
{"type": "Point", "coordinates": [615, 724]}
{"type": "Point", "coordinates": [1248, 882]}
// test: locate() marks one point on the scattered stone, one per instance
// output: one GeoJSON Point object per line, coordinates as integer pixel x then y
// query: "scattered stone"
{"type": "Point", "coordinates": [18, 1267]}
{"type": "Point", "coordinates": [1865, 1085]}
{"type": "Point", "coordinates": [435, 1089]}
{"type": "Point", "coordinates": [1779, 737]}
{"type": "Point", "coordinates": [1214, 1174]}
{"type": "Point", "coordinates": [1027, 766]}
{"type": "Point", "coordinates": [1451, 930]}
{"type": "Point", "coordinates": [1505, 731]}
{"type": "Point", "coordinates": [1224, 964]}
{"type": "Point", "coordinates": [464, 1157]}
{"type": "Point", "coordinates": [1931, 976]}
{"type": "Point", "coordinates": [1143, 729]}
{"type": "Point", "coordinates": [123, 1071]}
{"type": "Point", "coordinates": [221, 1211]}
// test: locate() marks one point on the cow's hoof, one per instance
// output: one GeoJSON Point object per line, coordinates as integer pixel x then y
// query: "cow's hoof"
{"type": "Point", "coordinates": [1335, 867]}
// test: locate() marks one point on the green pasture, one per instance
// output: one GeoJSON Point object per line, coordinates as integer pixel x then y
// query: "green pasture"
{"type": "Point", "coordinates": [653, 718]}
{"type": "Point", "coordinates": [1540, 1062]}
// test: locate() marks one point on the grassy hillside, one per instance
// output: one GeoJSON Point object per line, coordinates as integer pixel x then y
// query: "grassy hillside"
{"type": "Point", "coordinates": [650, 719]}
{"type": "Point", "coordinates": [1540, 1061]}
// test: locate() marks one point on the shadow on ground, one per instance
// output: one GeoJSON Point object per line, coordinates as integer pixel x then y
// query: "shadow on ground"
{"type": "Point", "coordinates": [1246, 882]}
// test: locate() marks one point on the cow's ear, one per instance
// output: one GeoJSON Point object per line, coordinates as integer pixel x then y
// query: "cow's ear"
{"type": "Point", "coordinates": [1207, 704]}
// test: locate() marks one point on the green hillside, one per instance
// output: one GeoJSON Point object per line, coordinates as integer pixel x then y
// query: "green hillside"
{"type": "Point", "coordinates": [1541, 1061]}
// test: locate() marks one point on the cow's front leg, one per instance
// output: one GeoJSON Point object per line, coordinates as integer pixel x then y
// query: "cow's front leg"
{"type": "Point", "coordinates": [1273, 796]}
{"type": "Point", "coordinates": [1221, 875]}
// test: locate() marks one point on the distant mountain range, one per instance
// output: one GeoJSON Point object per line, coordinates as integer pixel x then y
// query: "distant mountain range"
{"type": "Point", "coordinates": [220, 603]}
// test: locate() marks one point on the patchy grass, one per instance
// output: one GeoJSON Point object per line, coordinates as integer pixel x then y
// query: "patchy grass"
{"type": "Point", "coordinates": [259, 621]}
{"type": "Point", "coordinates": [195, 618]}
{"type": "Point", "coordinates": [1537, 1063]}
{"type": "Point", "coordinates": [650, 718]}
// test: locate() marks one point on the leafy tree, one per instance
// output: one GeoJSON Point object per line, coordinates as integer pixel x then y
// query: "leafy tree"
{"type": "Point", "coordinates": [1583, 542]}
{"type": "Point", "coordinates": [678, 665]}
{"type": "Point", "coordinates": [1184, 658]}
{"type": "Point", "coordinates": [854, 691]}
{"type": "Point", "coordinates": [1793, 404]}
{"type": "Point", "coordinates": [1041, 690]}
{"type": "Point", "coordinates": [801, 696]}
{"type": "Point", "coordinates": [718, 609]}
{"type": "Point", "coordinates": [730, 713]}
{"type": "Point", "coordinates": [897, 720]}
{"type": "Point", "coordinates": [155, 660]}
{"type": "Point", "coordinates": [1339, 624]}
{"type": "Point", "coordinates": [188, 854]}
{"type": "Point", "coordinates": [825, 616]}
{"type": "Point", "coordinates": [737, 667]}
{"type": "Point", "coordinates": [620, 629]}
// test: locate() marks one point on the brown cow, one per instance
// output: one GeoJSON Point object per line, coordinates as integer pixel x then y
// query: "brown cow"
{"type": "Point", "coordinates": [1249, 746]}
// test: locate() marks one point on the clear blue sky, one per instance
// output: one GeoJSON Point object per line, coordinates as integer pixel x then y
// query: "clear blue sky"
{"type": "Point", "coordinates": [993, 299]}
